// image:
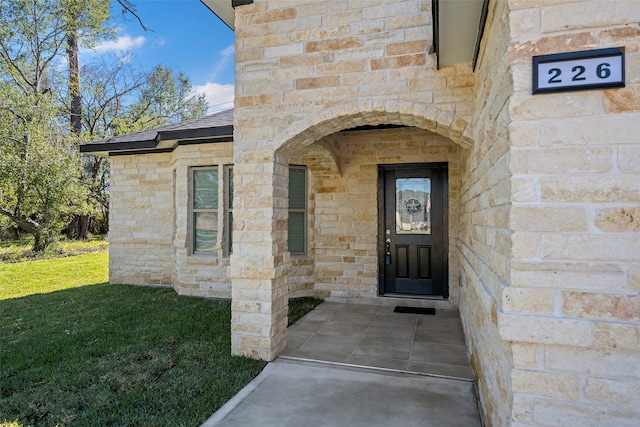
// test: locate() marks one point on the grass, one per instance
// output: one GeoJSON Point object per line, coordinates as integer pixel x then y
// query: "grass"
{"type": "Point", "coordinates": [49, 275]}
{"type": "Point", "coordinates": [77, 351]}
{"type": "Point", "coordinates": [20, 250]}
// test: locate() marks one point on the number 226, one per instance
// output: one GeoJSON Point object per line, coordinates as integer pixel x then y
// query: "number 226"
{"type": "Point", "coordinates": [602, 71]}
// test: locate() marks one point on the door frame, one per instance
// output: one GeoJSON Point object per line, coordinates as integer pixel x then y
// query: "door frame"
{"type": "Point", "coordinates": [382, 168]}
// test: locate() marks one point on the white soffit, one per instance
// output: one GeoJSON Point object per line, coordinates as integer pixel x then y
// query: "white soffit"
{"type": "Point", "coordinates": [458, 26]}
{"type": "Point", "coordinates": [223, 10]}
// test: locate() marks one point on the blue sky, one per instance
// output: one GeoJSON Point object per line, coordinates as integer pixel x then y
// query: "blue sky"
{"type": "Point", "coordinates": [185, 35]}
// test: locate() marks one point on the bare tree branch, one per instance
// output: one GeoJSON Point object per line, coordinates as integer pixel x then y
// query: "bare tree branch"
{"type": "Point", "coordinates": [131, 8]}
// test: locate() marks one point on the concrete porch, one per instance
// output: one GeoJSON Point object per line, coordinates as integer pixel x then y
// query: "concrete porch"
{"type": "Point", "coordinates": [362, 365]}
{"type": "Point", "coordinates": [375, 336]}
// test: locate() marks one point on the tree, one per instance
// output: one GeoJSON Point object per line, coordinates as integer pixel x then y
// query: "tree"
{"type": "Point", "coordinates": [39, 169]}
{"type": "Point", "coordinates": [166, 98]}
{"type": "Point", "coordinates": [45, 112]}
{"type": "Point", "coordinates": [118, 99]}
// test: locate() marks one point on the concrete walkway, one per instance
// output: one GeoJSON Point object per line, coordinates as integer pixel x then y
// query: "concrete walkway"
{"type": "Point", "coordinates": [362, 365]}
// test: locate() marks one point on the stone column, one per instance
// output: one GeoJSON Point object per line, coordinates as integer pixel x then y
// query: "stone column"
{"type": "Point", "coordinates": [260, 260]}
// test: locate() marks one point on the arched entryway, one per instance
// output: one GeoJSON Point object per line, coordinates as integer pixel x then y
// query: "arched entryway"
{"type": "Point", "coordinates": [342, 149]}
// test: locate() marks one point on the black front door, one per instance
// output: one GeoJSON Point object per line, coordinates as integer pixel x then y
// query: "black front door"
{"type": "Point", "coordinates": [413, 233]}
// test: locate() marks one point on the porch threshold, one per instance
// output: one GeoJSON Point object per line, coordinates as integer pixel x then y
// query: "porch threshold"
{"type": "Point", "coordinates": [377, 368]}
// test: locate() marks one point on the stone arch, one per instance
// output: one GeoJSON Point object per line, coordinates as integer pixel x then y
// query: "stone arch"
{"type": "Point", "coordinates": [315, 126]}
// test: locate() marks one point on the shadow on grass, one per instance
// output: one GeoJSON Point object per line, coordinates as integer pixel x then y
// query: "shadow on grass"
{"type": "Point", "coordinates": [114, 354]}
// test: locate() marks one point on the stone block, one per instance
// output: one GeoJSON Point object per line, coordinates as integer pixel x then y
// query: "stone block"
{"type": "Point", "coordinates": [551, 106]}
{"type": "Point", "coordinates": [523, 190]}
{"type": "Point", "coordinates": [613, 393]}
{"type": "Point", "coordinates": [619, 220]}
{"type": "Point", "coordinates": [408, 47]}
{"type": "Point", "coordinates": [422, 85]}
{"type": "Point", "coordinates": [525, 300]}
{"type": "Point", "coordinates": [284, 50]}
{"type": "Point", "coordinates": [608, 248]}
{"type": "Point", "coordinates": [603, 363]}
{"type": "Point", "coordinates": [390, 9]}
{"type": "Point", "coordinates": [566, 387]}
{"type": "Point", "coordinates": [617, 336]}
{"type": "Point", "coordinates": [524, 22]}
{"type": "Point", "coordinates": [600, 130]}
{"type": "Point", "coordinates": [561, 160]}
{"type": "Point", "coordinates": [623, 100]}
{"type": "Point", "coordinates": [571, 16]}
{"type": "Point", "coordinates": [522, 51]}
{"type": "Point", "coordinates": [629, 158]}
{"type": "Point", "coordinates": [602, 306]}
{"type": "Point", "coordinates": [332, 44]}
{"type": "Point", "coordinates": [567, 414]}
{"type": "Point", "coordinates": [545, 330]}
{"type": "Point", "coordinates": [317, 82]}
{"type": "Point", "coordinates": [590, 189]}
{"type": "Point", "coordinates": [269, 16]}
{"type": "Point", "coordinates": [522, 409]}
{"type": "Point", "coordinates": [525, 356]}
{"type": "Point", "coordinates": [340, 18]}
{"type": "Point", "coordinates": [398, 62]}
{"type": "Point", "coordinates": [524, 246]}
{"type": "Point", "coordinates": [549, 219]}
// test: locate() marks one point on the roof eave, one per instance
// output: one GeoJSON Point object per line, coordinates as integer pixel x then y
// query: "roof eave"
{"type": "Point", "coordinates": [224, 9]}
{"type": "Point", "coordinates": [163, 142]}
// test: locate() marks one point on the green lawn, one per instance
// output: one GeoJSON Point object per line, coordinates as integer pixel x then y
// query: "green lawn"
{"type": "Point", "coordinates": [77, 351]}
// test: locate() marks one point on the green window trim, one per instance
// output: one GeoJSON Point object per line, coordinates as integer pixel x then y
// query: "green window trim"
{"type": "Point", "coordinates": [228, 203]}
{"type": "Point", "coordinates": [297, 224]}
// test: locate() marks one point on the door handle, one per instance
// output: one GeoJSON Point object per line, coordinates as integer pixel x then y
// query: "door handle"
{"type": "Point", "coordinates": [387, 256]}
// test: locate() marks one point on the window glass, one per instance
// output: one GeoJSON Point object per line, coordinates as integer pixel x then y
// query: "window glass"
{"type": "Point", "coordinates": [297, 188]}
{"type": "Point", "coordinates": [413, 206]}
{"type": "Point", "coordinates": [204, 207]}
{"type": "Point", "coordinates": [297, 210]}
{"type": "Point", "coordinates": [206, 231]}
{"type": "Point", "coordinates": [296, 232]}
{"type": "Point", "coordinates": [205, 189]}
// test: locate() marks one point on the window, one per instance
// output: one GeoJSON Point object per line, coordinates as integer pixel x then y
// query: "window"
{"type": "Point", "coordinates": [297, 210]}
{"type": "Point", "coordinates": [205, 212]}
{"type": "Point", "coordinates": [204, 208]}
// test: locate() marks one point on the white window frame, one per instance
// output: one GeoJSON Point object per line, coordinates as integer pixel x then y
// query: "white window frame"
{"type": "Point", "coordinates": [193, 211]}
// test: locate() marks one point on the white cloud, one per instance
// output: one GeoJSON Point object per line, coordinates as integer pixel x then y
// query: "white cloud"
{"type": "Point", "coordinates": [219, 97]}
{"type": "Point", "coordinates": [228, 51]}
{"type": "Point", "coordinates": [121, 44]}
{"type": "Point", "coordinates": [224, 63]}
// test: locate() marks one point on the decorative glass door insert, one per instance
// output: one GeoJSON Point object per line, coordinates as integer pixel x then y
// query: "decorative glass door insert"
{"type": "Point", "coordinates": [413, 206]}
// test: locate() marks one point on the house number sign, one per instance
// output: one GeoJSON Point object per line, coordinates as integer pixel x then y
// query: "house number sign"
{"type": "Point", "coordinates": [590, 69]}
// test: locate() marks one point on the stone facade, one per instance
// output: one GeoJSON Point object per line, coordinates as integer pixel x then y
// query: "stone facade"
{"type": "Point", "coordinates": [572, 303]}
{"type": "Point", "coordinates": [342, 264]}
{"type": "Point", "coordinates": [149, 227]}
{"type": "Point", "coordinates": [305, 71]}
{"type": "Point", "coordinates": [543, 231]}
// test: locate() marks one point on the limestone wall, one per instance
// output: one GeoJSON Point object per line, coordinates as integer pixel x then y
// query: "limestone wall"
{"type": "Point", "coordinates": [572, 312]}
{"type": "Point", "coordinates": [485, 237]}
{"type": "Point", "coordinates": [148, 236]}
{"type": "Point", "coordinates": [344, 219]}
{"type": "Point", "coordinates": [305, 70]}
{"type": "Point", "coordinates": [201, 275]}
{"type": "Point", "coordinates": [141, 220]}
